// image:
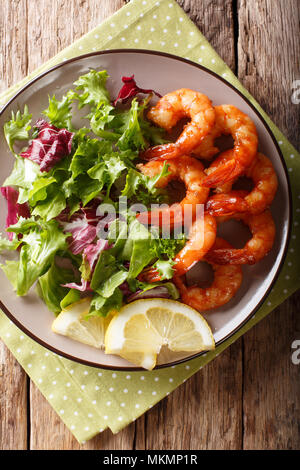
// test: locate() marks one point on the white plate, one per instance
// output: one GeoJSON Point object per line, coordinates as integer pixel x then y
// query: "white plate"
{"type": "Point", "coordinates": [163, 73]}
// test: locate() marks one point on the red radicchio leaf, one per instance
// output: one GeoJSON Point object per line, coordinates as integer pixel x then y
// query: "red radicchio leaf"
{"type": "Point", "coordinates": [50, 146]}
{"type": "Point", "coordinates": [14, 210]}
{"type": "Point", "coordinates": [157, 292]}
{"type": "Point", "coordinates": [82, 225]}
{"type": "Point", "coordinates": [130, 89]}
{"type": "Point", "coordinates": [92, 252]}
{"type": "Point", "coordinates": [125, 288]}
{"type": "Point", "coordinates": [82, 233]}
{"type": "Point", "coordinates": [84, 286]}
{"type": "Point", "coordinates": [103, 225]}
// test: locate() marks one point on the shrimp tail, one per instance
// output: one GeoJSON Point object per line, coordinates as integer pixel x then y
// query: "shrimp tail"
{"type": "Point", "coordinates": [159, 152]}
{"type": "Point", "coordinates": [149, 275]}
{"type": "Point", "coordinates": [226, 204]}
{"type": "Point", "coordinates": [226, 172]}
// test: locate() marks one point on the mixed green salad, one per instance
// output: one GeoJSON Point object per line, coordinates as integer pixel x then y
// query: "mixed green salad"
{"type": "Point", "coordinates": [70, 197]}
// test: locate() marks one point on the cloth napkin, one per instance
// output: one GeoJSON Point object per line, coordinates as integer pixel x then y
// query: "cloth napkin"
{"type": "Point", "coordinates": [88, 399]}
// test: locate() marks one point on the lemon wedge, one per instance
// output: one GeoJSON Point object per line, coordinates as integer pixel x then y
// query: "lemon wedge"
{"type": "Point", "coordinates": [72, 322]}
{"type": "Point", "coordinates": [141, 328]}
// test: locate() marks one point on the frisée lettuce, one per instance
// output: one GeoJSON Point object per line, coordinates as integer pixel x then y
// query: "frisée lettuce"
{"type": "Point", "coordinates": [66, 241]}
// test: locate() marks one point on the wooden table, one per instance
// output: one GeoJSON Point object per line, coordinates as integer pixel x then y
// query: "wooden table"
{"type": "Point", "coordinates": [247, 398]}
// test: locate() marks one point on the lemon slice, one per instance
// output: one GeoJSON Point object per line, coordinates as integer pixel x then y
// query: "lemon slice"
{"type": "Point", "coordinates": [72, 322]}
{"type": "Point", "coordinates": [142, 327]}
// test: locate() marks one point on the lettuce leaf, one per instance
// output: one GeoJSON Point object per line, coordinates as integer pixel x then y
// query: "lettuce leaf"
{"type": "Point", "coordinates": [10, 269]}
{"type": "Point", "coordinates": [53, 204]}
{"type": "Point", "coordinates": [38, 191]}
{"type": "Point", "coordinates": [23, 225]}
{"type": "Point", "coordinates": [107, 288]}
{"type": "Point", "coordinates": [93, 166]}
{"type": "Point", "coordinates": [59, 112]}
{"type": "Point", "coordinates": [93, 88]}
{"type": "Point", "coordinates": [102, 306]}
{"type": "Point", "coordinates": [143, 186]}
{"type": "Point", "coordinates": [142, 255]}
{"type": "Point", "coordinates": [50, 288]}
{"type": "Point", "coordinates": [165, 268]}
{"type": "Point", "coordinates": [72, 296]}
{"type": "Point", "coordinates": [84, 187]}
{"type": "Point", "coordinates": [130, 129]}
{"type": "Point", "coordinates": [18, 127]}
{"type": "Point", "coordinates": [7, 244]}
{"type": "Point", "coordinates": [23, 174]}
{"type": "Point", "coordinates": [105, 267]}
{"type": "Point", "coordinates": [39, 246]}
{"type": "Point", "coordinates": [100, 120]}
{"type": "Point", "coordinates": [86, 155]}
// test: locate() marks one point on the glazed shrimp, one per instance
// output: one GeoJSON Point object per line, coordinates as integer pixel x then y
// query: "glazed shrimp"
{"type": "Point", "coordinates": [265, 186]}
{"type": "Point", "coordinates": [227, 280]}
{"type": "Point", "coordinates": [201, 238]}
{"type": "Point", "coordinates": [262, 228]}
{"type": "Point", "coordinates": [222, 162]}
{"type": "Point", "coordinates": [230, 120]}
{"type": "Point", "coordinates": [169, 110]}
{"type": "Point", "coordinates": [190, 171]}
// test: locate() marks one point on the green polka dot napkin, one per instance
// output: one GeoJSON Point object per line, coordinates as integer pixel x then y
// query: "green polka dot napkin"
{"type": "Point", "coordinates": [89, 400]}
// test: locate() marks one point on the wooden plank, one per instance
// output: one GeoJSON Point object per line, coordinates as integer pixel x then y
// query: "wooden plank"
{"type": "Point", "coordinates": [271, 382]}
{"type": "Point", "coordinates": [13, 42]}
{"type": "Point", "coordinates": [206, 412]}
{"type": "Point", "coordinates": [13, 403]}
{"type": "Point", "coordinates": [268, 63]}
{"type": "Point", "coordinates": [58, 23]}
{"type": "Point", "coordinates": [269, 58]}
{"type": "Point", "coordinates": [13, 390]}
{"type": "Point", "coordinates": [215, 21]}
{"type": "Point", "coordinates": [203, 413]}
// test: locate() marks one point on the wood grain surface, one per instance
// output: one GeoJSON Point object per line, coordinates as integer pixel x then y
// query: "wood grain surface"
{"type": "Point", "coordinates": [250, 393]}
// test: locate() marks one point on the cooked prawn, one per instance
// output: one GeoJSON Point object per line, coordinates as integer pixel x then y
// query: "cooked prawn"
{"type": "Point", "coordinates": [226, 204]}
{"type": "Point", "coordinates": [227, 280]}
{"type": "Point", "coordinates": [169, 110]}
{"type": "Point", "coordinates": [222, 162]}
{"type": "Point", "coordinates": [262, 228]}
{"type": "Point", "coordinates": [201, 238]}
{"type": "Point", "coordinates": [265, 186]}
{"type": "Point", "coordinates": [190, 171]}
{"type": "Point", "coordinates": [230, 120]}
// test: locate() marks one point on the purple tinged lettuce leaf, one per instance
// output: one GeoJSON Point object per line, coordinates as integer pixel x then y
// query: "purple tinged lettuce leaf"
{"type": "Point", "coordinates": [157, 292]}
{"type": "Point", "coordinates": [83, 287]}
{"type": "Point", "coordinates": [14, 210]}
{"type": "Point", "coordinates": [50, 146]}
{"type": "Point", "coordinates": [130, 89]}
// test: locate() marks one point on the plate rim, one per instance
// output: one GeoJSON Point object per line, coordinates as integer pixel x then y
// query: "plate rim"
{"type": "Point", "coordinates": [290, 207]}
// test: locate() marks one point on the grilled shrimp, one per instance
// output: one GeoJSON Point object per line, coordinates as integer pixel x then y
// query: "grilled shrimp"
{"type": "Point", "coordinates": [222, 162]}
{"type": "Point", "coordinates": [262, 228]}
{"type": "Point", "coordinates": [190, 171]}
{"type": "Point", "coordinates": [229, 120]}
{"type": "Point", "coordinates": [169, 110]}
{"type": "Point", "coordinates": [227, 280]}
{"type": "Point", "coordinates": [265, 186]}
{"type": "Point", "coordinates": [201, 238]}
